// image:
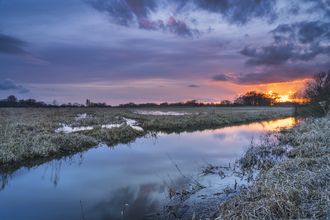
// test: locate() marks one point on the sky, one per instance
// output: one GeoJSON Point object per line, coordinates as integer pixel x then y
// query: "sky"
{"type": "Point", "coordinates": [120, 51]}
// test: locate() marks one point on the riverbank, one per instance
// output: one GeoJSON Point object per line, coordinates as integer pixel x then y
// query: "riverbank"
{"type": "Point", "coordinates": [31, 133]}
{"type": "Point", "coordinates": [297, 187]}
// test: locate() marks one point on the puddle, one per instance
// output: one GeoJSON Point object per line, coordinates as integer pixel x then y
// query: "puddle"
{"type": "Point", "coordinates": [161, 113]}
{"type": "Point", "coordinates": [68, 129]}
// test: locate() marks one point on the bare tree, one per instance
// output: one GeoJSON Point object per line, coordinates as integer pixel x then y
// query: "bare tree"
{"type": "Point", "coordinates": [318, 91]}
{"type": "Point", "coordinates": [55, 102]}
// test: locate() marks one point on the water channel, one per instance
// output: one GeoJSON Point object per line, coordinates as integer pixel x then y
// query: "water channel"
{"type": "Point", "coordinates": [106, 178]}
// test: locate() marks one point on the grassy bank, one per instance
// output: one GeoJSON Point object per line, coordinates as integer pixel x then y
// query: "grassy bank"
{"type": "Point", "coordinates": [31, 133]}
{"type": "Point", "coordinates": [28, 134]}
{"type": "Point", "coordinates": [297, 187]}
{"type": "Point", "coordinates": [202, 117]}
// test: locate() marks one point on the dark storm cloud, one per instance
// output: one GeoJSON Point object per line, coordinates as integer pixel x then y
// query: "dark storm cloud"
{"type": "Point", "coordinates": [304, 32]}
{"type": "Point", "coordinates": [132, 13]}
{"type": "Point", "coordinates": [268, 55]}
{"type": "Point", "coordinates": [282, 28]}
{"type": "Point", "coordinates": [9, 84]}
{"type": "Point", "coordinates": [278, 54]}
{"type": "Point", "coordinates": [311, 31]}
{"type": "Point", "coordinates": [193, 86]}
{"type": "Point", "coordinates": [180, 28]}
{"type": "Point", "coordinates": [281, 74]}
{"type": "Point", "coordinates": [321, 7]}
{"type": "Point", "coordinates": [240, 12]}
{"type": "Point", "coordinates": [12, 45]}
{"type": "Point", "coordinates": [125, 12]}
{"type": "Point", "coordinates": [294, 9]}
{"type": "Point", "coordinates": [298, 41]}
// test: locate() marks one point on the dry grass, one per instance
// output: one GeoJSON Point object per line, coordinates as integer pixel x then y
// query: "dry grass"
{"type": "Point", "coordinates": [297, 187]}
{"type": "Point", "coordinates": [203, 118]}
{"type": "Point", "coordinates": [30, 133]}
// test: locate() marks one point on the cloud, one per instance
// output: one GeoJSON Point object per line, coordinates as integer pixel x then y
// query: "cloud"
{"type": "Point", "coordinates": [273, 54]}
{"type": "Point", "coordinates": [138, 13]}
{"type": "Point", "coordinates": [194, 21]}
{"type": "Point", "coordinates": [297, 41]}
{"type": "Point", "coordinates": [9, 84]}
{"type": "Point", "coordinates": [303, 32]}
{"type": "Point", "coordinates": [279, 54]}
{"type": "Point", "coordinates": [287, 73]}
{"type": "Point", "coordinates": [240, 12]}
{"type": "Point", "coordinates": [193, 86]}
{"type": "Point", "coordinates": [320, 7]}
{"type": "Point", "coordinates": [222, 44]}
{"type": "Point", "coordinates": [294, 9]}
{"type": "Point", "coordinates": [132, 13]}
{"type": "Point", "coordinates": [220, 78]}
{"type": "Point", "coordinates": [180, 28]}
{"type": "Point", "coordinates": [12, 45]}
{"type": "Point", "coordinates": [149, 24]}
{"type": "Point", "coordinates": [310, 31]}
{"type": "Point", "coordinates": [125, 12]}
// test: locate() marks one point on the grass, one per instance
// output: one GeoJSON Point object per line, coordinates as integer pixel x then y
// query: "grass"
{"type": "Point", "coordinates": [28, 134]}
{"type": "Point", "coordinates": [31, 133]}
{"type": "Point", "coordinates": [297, 187]}
{"type": "Point", "coordinates": [204, 118]}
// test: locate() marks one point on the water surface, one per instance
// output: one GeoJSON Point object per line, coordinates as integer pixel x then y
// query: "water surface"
{"type": "Point", "coordinates": [107, 178]}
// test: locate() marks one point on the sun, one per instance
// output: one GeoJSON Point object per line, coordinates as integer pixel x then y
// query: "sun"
{"type": "Point", "coordinates": [288, 97]}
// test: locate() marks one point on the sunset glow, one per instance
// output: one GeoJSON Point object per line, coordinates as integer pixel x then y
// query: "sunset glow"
{"type": "Point", "coordinates": [120, 51]}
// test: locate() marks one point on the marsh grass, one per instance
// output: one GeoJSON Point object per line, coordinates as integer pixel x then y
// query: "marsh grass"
{"type": "Point", "coordinates": [208, 119]}
{"type": "Point", "coordinates": [295, 187]}
{"type": "Point", "coordinates": [30, 133]}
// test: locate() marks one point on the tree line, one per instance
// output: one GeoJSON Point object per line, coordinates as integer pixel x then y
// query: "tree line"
{"type": "Point", "coordinates": [317, 91]}
{"type": "Point", "coordinates": [12, 101]}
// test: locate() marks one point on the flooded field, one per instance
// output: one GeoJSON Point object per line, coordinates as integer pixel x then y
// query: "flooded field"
{"type": "Point", "coordinates": [141, 174]}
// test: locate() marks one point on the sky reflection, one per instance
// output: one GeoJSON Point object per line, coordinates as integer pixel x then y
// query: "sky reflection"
{"type": "Point", "coordinates": [105, 179]}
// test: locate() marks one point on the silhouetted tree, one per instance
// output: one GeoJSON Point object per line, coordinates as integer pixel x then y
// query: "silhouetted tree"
{"type": "Point", "coordinates": [255, 98]}
{"type": "Point", "coordinates": [88, 102]}
{"type": "Point", "coordinates": [12, 99]}
{"type": "Point", "coordinates": [318, 92]}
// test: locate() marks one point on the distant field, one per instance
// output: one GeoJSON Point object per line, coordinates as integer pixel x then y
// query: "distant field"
{"type": "Point", "coordinates": [196, 110]}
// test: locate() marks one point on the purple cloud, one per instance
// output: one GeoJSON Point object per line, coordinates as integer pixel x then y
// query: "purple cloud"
{"type": "Point", "coordinates": [9, 84]}
{"type": "Point", "coordinates": [12, 45]}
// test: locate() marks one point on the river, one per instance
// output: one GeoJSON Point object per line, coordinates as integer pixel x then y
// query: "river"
{"type": "Point", "coordinates": [140, 174]}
